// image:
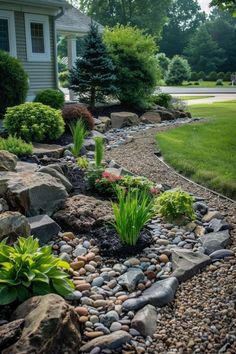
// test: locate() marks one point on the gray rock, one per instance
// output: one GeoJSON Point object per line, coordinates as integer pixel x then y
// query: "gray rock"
{"type": "Point", "coordinates": [159, 294]}
{"type": "Point", "coordinates": [8, 161]}
{"type": "Point", "coordinates": [145, 321]}
{"type": "Point", "coordinates": [80, 251]}
{"type": "Point", "coordinates": [98, 281]}
{"type": "Point", "coordinates": [58, 175]}
{"type": "Point", "coordinates": [215, 241]}
{"type": "Point", "coordinates": [111, 341]}
{"type": "Point", "coordinates": [50, 150]}
{"type": "Point", "coordinates": [115, 326]}
{"type": "Point", "coordinates": [131, 278]}
{"type": "Point", "coordinates": [219, 225]}
{"type": "Point", "coordinates": [3, 205]}
{"type": "Point", "coordinates": [12, 225]}
{"type": "Point", "coordinates": [66, 249]}
{"type": "Point", "coordinates": [123, 119]}
{"type": "Point", "coordinates": [109, 318]}
{"type": "Point", "coordinates": [186, 263]}
{"type": "Point", "coordinates": [75, 295]}
{"type": "Point", "coordinates": [43, 227]}
{"type": "Point", "coordinates": [221, 254]}
{"type": "Point", "coordinates": [201, 207]}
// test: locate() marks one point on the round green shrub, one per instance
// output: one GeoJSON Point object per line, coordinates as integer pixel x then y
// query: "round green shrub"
{"type": "Point", "coordinates": [34, 122]}
{"type": "Point", "coordinates": [50, 97]}
{"type": "Point", "coordinates": [219, 82]}
{"type": "Point", "coordinates": [163, 99]}
{"type": "Point", "coordinates": [13, 82]}
{"type": "Point", "coordinates": [201, 75]}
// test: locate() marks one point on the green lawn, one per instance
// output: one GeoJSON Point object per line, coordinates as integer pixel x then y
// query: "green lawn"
{"type": "Point", "coordinates": [187, 98]}
{"type": "Point", "coordinates": [205, 84]}
{"type": "Point", "coordinates": [205, 151]}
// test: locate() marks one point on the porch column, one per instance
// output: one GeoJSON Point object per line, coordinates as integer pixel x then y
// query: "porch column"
{"type": "Point", "coordinates": [72, 55]}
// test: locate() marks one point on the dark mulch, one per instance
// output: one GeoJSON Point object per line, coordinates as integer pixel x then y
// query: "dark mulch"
{"type": "Point", "coordinates": [106, 110]}
{"type": "Point", "coordinates": [110, 245]}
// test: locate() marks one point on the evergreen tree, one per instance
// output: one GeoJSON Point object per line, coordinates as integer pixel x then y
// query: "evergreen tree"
{"type": "Point", "coordinates": [178, 71]}
{"type": "Point", "coordinates": [163, 62]}
{"type": "Point", "coordinates": [93, 76]}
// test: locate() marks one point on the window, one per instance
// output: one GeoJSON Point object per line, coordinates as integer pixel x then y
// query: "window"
{"type": "Point", "coordinates": [37, 37]}
{"type": "Point", "coordinates": [7, 32]}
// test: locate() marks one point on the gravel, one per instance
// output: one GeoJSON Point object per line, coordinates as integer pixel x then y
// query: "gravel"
{"type": "Point", "coordinates": [202, 319]}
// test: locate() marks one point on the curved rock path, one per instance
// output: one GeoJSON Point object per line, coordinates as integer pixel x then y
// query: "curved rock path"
{"type": "Point", "coordinates": [202, 319]}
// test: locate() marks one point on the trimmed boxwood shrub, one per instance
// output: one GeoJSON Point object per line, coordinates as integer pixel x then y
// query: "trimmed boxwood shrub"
{"type": "Point", "coordinates": [34, 122]}
{"type": "Point", "coordinates": [50, 97]}
{"type": "Point", "coordinates": [72, 112]}
{"type": "Point", "coordinates": [13, 82]}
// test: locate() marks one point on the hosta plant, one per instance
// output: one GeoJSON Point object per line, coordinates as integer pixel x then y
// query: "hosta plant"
{"type": "Point", "coordinates": [27, 270]}
{"type": "Point", "coordinates": [175, 205]}
{"type": "Point", "coordinates": [132, 211]}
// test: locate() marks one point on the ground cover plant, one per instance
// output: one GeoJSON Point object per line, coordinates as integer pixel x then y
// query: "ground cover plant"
{"type": "Point", "coordinates": [205, 151]}
{"type": "Point", "coordinates": [34, 122]}
{"type": "Point", "coordinates": [16, 146]}
{"type": "Point", "coordinates": [131, 212]}
{"type": "Point", "coordinates": [50, 97]}
{"type": "Point", "coordinates": [27, 270]}
{"type": "Point", "coordinates": [175, 206]}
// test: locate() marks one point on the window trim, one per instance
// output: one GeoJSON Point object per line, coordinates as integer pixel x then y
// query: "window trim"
{"type": "Point", "coordinates": [44, 20]}
{"type": "Point", "coordinates": [10, 17]}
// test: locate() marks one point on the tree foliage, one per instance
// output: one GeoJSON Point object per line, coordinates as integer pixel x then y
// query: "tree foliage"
{"type": "Point", "coordinates": [133, 53]}
{"type": "Point", "coordinates": [185, 16]}
{"type": "Point", "coordinates": [149, 15]}
{"type": "Point", "coordinates": [93, 76]}
{"type": "Point", "coordinates": [225, 5]}
{"type": "Point", "coordinates": [163, 62]}
{"type": "Point", "coordinates": [178, 71]}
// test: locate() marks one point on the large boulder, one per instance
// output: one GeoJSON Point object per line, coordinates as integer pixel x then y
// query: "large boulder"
{"type": "Point", "coordinates": [43, 227]}
{"type": "Point", "coordinates": [51, 326]}
{"type": "Point", "coordinates": [124, 119]}
{"type": "Point", "coordinates": [215, 241]}
{"type": "Point", "coordinates": [58, 175]}
{"type": "Point", "coordinates": [8, 161]}
{"type": "Point", "coordinates": [151, 117]}
{"type": "Point", "coordinates": [186, 263]}
{"type": "Point", "coordinates": [12, 225]}
{"type": "Point", "coordinates": [32, 193]}
{"type": "Point", "coordinates": [166, 115]}
{"type": "Point", "coordinates": [10, 333]}
{"type": "Point", "coordinates": [82, 213]}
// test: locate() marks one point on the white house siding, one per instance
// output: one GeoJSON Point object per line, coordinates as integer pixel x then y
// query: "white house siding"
{"type": "Point", "coordinates": [41, 74]}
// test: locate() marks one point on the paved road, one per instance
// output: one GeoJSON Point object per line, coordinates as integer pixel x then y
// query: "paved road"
{"type": "Point", "coordinates": [215, 98]}
{"type": "Point", "coordinates": [197, 90]}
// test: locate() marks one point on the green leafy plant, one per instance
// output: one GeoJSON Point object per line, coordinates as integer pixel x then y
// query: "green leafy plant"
{"type": "Point", "coordinates": [79, 134]}
{"type": "Point", "coordinates": [132, 211]}
{"type": "Point", "coordinates": [50, 97]}
{"type": "Point", "coordinates": [175, 205]}
{"type": "Point", "coordinates": [83, 163]}
{"type": "Point", "coordinates": [16, 146]}
{"type": "Point", "coordinates": [27, 270]}
{"type": "Point", "coordinates": [34, 122]}
{"type": "Point", "coordinates": [13, 82]}
{"type": "Point", "coordinates": [99, 150]}
{"type": "Point", "coordinates": [137, 182]}
{"type": "Point", "coordinates": [92, 175]}
{"type": "Point", "coordinates": [107, 183]}
{"type": "Point", "coordinates": [163, 99]}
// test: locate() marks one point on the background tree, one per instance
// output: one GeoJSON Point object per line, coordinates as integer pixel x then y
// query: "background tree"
{"type": "Point", "coordinates": [93, 76]}
{"type": "Point", "coordinates": [134, 55]}
{"type": "Point", "coordinates": [149, 15]}
{"type": "Point", "coordinates": [163, 62]}
{"type": "Point", "coordinates": [178, 71]}
{"type": "Point", "coordinates": [185, 16]}
{"type": "Point", "coordinates": [203, 52]}
{"type": "Point", "coordinates": [229, 5]}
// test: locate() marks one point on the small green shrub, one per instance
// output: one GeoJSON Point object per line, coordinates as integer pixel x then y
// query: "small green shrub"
{"type": "Point", "coordinates": [72, 112]}
{"type": "Point", "coordinates": [163, 99]}
{"type": "Point", "coordinates": [27, 270]}
{"type": "Point", "coordinates": [34, 122]}
{"type": "Point", "coordinates": [219, 82]}
{"type": "Point", "coordinates": [16, 146]}
{"type": "Point", "coordinates": [175, 205]}
{"type": "Point", "coordinates": [83, 163]}
{"type": "Point", "coordinates": [79, 134]}
{"type": "Point", "coordinates": [212, 76]}
{"type": "Point", "coordinates": [178, 71]}
{"type": "Point", "coordinates": [92, 175]}
{"type": "Point", "coordinates": [107, 184]}
{"type": "Point", "coordinates": [50, 97]}
{"type": "Point", "coordinates": [99, 150]}
{"type": "Point", "coordinates": [132, 211]}
{"type": "Point", "coordinates": [13, 82]}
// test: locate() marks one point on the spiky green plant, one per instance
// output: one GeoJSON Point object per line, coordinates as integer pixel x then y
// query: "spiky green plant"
{"type": "Point", "coordinates": [99, 150]}
{"type": "Point", "coordinates": [27, 270]}
{"type": "Point", "coordinates": [79, 134]}
{"type": "Point", "coordinates": [132, 211]}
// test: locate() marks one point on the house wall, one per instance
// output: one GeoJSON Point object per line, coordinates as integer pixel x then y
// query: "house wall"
{"type": "Point", "coordinates": [41, 74]}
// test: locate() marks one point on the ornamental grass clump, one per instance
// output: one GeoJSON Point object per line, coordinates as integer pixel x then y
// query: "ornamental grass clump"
{"type": "Point", "coordinates": [27, 270]}
{"type": "Point", "coordinates": [99, 150]}
{"type": "Point", "coordinates": [132, 212]}
{"type": "Point", "coordinates": [175, 205]}
{"type": "Point", "coordinates": [16, 146]}
{"type": "Point", "coordinates": [79, 134]}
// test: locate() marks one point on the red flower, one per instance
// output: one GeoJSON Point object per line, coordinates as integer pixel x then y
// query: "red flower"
{"type": "Point", "coordinates": [154, 190]}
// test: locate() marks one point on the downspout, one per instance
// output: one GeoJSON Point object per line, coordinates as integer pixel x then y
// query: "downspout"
{"type": "Point", "coordinates": [61, 13]}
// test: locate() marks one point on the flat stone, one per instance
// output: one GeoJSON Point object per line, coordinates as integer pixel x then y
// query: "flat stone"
{"type": "Point", "coordinates": [131, 278]}
{"type": "Point", "coordinates": [212, 215]}
{"type": "Point", "coordinates": [186, 263]}
{"type": "Point", "coordinates": [58, 175]}
{"type": "Point", "coordinates": [26, 167]}
{"type": "Point", "coordinates": [111, 341]}
{"type": "Point", "coordinates": [50, 150]}
{"type": "Point", "coordinates": [43, 227]}
{"type": "Point", "coordinates": [12, 225]}
{"type": "Point", "coordinates": [159, 294]}
{"type": "Point", "coordinates": [216, 225]}
{"type": "Point", "coordinates": [215, 241]}
{"type": "Point", "coordinates": [221, 254]}
{"type": "Point", "coordinates": [124, 119]}
{"type": "Point", "coordinates": [145, 321]}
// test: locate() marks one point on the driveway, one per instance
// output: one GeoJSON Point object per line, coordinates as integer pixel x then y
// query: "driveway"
{"type": "Point", "coordinates": [215, 98]}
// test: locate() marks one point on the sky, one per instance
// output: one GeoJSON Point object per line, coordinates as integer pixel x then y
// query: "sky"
{"type": "Point", "coordinates": [204, 4]}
